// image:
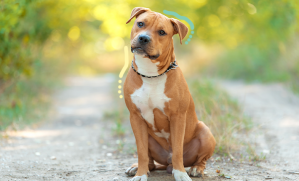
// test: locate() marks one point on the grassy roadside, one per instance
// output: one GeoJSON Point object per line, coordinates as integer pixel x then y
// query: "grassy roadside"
{"type": "Point", "coordinates": [26, 99]}
{"type": "Point", "coordinates": [221, 114]}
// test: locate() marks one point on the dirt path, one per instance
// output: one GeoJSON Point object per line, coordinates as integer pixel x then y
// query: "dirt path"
{"type": "Point", "coordinates": [275, 113]}
{"type": "Point", "coordinates": [76, 141]}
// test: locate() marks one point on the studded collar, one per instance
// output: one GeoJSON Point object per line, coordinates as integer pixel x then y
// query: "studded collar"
{"type": "Point", "coordinates": [172, 65]}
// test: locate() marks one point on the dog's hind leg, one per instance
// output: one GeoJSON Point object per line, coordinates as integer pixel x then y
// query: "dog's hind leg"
{"type": "Point", "coordinates": [155, 150]}
{"type": "Point", "coordinates": [199, 150]}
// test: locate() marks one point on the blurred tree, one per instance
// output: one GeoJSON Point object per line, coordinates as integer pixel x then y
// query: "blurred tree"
{"type": "Point", "coordinates": [93, 27]}
{"type": "Point", "coordinates": [20, 29]}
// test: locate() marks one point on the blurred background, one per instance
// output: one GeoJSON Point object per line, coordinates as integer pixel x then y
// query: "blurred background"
{"type": "Point", "coordinates": [43, 41]}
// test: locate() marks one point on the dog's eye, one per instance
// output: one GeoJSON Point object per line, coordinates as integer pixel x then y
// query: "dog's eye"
{"type": "Point", "coordinates": [140, 24]}
{"type": "Point", "coordinates": [161, 32]}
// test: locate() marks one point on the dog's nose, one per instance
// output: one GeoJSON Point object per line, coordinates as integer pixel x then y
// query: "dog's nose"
{"type": "Point", "coordinates": [144, 39]}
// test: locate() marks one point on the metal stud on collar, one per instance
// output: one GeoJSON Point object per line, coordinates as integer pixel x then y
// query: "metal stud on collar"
{"type": "Point", "coordinates": [172, 65]}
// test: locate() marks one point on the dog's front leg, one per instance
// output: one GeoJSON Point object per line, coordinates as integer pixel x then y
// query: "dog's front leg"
{"type": "Point", "coordinates": [177, 133]}
{"type": "Point", "coordinates": [139, 127]}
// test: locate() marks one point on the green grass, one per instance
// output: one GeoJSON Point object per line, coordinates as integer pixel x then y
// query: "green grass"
{"type": "Point", "coordinates": [26, 100]}
{"type": "Point", "coordinates": [117, 116]}
{"type": "Point", "coordinates": [221, 114]}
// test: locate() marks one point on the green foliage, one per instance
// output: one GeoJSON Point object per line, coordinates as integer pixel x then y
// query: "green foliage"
{"type": "Point", "coordinates": [26, 100]}
{"type": "Point", "coordinates": [18, 33]}
{"type": "Point", "coordinates": [252, 29]}
{"type": "Point", "coordinates": [251, 63]}
{"type": "Point", "coordinates": [261, 44]}
{"type": "Point", "coordinates": [25, 79]}
{"type": "Point", "coordinates": [239, 25]}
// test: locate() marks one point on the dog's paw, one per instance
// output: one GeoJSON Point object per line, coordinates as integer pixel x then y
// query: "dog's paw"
{"type": "Point", "coordinates": [180, 176]}
{"type": "Point", "coordinates": [196, 171]}
{"type": "Point", "coordinates": [131, 171]}
{"type": "Point", "coordinates": [139, 178]}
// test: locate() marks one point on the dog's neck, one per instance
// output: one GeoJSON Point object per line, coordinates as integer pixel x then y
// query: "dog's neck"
{"type": "Point", "coordinates": [166, 58]}
{"type": "Point", "coordinates": [145, 66]}
{"type": "Point", "coordinates": [150, 67]}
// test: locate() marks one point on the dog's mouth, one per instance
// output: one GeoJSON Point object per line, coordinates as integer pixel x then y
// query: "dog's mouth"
{"type": "Point", "coordinates": [141, 51]}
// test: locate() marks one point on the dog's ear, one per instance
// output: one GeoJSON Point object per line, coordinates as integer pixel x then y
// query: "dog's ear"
{"type": "Point", "coordinates": [136, 12]}
{"type": "Point", "coordinates": [179, 28]}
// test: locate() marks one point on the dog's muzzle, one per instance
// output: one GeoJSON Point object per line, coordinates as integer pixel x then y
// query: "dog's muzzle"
{"type": "Point", "coordinates": [144, 39]}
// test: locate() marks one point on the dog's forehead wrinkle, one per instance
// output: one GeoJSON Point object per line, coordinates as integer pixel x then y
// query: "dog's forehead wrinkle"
{"type": "Point", "coordinates": [161, 26]}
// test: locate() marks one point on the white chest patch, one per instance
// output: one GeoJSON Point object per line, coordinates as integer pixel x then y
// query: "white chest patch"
{"type": "Point", "coordinates": [151, 94]}
{"type": "Point", "coordinates": [163, 134]}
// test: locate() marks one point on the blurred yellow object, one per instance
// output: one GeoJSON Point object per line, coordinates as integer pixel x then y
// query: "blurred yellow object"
{"type": "Point", "coordinates": [198, 3]}
{"type": "Point", "coordinates": [115, 43]}
{"type": "Point", "coordinates": [251, 8]}
{"type": "Point", "coordinates": [26, 39]}
{"type": "Point", "coordinates": [115, 27]}
{"type": "Point", "coordinates": [86, 71]}
{"type": "Point", "coordinates": [231, 42]}
{"type": "Point", "coordinates": [224, 11]}
{"type": "Point", "coordinates": [74, 33]}
{"type": "Point", "coordinates": [100, 12]}
{"type": "Point", "coordinates": [213, 20]}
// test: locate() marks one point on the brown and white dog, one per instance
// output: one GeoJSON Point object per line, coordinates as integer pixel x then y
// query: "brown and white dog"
{"type": "Point", "coordinates": [162, 112]}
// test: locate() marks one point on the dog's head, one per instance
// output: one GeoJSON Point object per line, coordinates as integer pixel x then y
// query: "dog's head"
{"type": "Point", "coordinates": [151, 35]}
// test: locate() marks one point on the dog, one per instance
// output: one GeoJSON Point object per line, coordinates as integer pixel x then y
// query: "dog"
{"type": "Point", "coordinates": [162, 112]}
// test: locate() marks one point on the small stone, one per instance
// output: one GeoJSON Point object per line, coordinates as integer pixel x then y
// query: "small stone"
{"type": "Point", "coordinates": [100, 161]}
{"type": "Point", "coordinates": [109, 154]}
{"type": "Point", "coordinates": [115, 179]}
{"type": "Point", "coordinates": [37, 153]}
{"type": "Point", "coordinates": [268, 177]}
{"type": "Point", "coordinates": [53, 158]}
{"type": "Point", "coordinates": [51, 169]}
{"type": "Point", "coordinates": [102, 170]}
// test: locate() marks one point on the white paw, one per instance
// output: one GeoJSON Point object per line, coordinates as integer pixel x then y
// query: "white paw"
{"type": "Point", "coordinates": [139, 178]}
{"type": "Point", "coordinates": [195, 172]}
{"type": "Point", "coordinates": [180, 176]}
